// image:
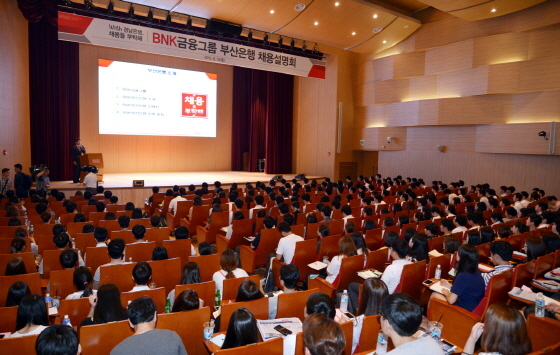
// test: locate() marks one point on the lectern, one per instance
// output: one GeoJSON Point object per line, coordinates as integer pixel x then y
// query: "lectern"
{"type": "Point", "coordinates": [92, 159]}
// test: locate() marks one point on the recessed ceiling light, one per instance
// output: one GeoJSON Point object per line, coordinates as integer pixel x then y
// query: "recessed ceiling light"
{"type": "Point", "coordinates": [299, 7]}
{"type": "Point", "coordinates": [374, 15]}
{"type": "Point", "coordinates": [271, 11]}
{"type": "Point", "coordinates": [336, 3]}
{"type": "Point", "coordinates": [353, 33]}
{"type": "Point", "coordinates": [316, 23]}
{"type": "Point", "coordinates": [405, 26]}
{"type": "Point", "coordinates": [493, 10]}
{"type": "Point", "coordinates": [377, 29]}
{"type": "Point", "coordinates": [384, 41]}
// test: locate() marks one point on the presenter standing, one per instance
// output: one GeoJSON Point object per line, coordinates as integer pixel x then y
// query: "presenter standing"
{"type": "Point", "coordinates": [77, 151]}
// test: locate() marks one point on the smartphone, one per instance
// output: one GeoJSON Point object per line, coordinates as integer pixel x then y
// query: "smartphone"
{"type": "Point", "coordinates": [282, 330]}
{"type": "Point", "coordinates": [349, 315]}
{"type": "Point", "coordinates": [447, 346]}
{"type": "Point", "coordinates": [428, 282]}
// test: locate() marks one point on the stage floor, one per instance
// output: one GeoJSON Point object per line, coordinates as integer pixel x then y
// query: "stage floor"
{"type": "Point", "coordinates": [183, 179]}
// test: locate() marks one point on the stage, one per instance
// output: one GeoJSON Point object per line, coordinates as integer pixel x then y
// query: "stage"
{"type": "Point", "coordinates": [121, 184]}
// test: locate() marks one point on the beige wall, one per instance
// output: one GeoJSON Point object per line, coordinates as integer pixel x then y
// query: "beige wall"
{"type": "Point", "coordinates": [14, 87]}
{"type": "Point", "coordinates": [122, 153]}
{"type": "Point", "coordinates": [481, 89]}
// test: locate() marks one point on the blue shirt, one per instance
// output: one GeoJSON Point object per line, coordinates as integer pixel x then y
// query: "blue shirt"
{"type": "Point", "coordinates": [470, 289]}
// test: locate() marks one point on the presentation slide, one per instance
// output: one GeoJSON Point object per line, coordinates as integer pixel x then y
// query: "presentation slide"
{"type": "Point", "coordinates": [138, 99]}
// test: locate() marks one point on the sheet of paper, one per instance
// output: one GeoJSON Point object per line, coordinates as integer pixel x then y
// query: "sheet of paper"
{"type": "Point", "coordinates": [367, 274]}
{"type": "Point", "coordinates": [436, 286]}
{"type": "Point", "coordinates": [317, 265]}
{"type": "Point", "coordinates": [53, 311]}
{"type": "Point", "coordinates": [435, 253]}
{"type": "Point", "coordinates": [485, 268]}
{"type": "Point", "coordinates": [266, 327]}
{"type": "Point", "coordinates": [219, 340]}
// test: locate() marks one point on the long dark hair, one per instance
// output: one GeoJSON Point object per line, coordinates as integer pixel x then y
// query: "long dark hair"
{"type": "Point", "coordinates": [248, 291]}
{"type": "Point", "coordinates": [83, 280]}
{"type": "Point", "coordinates": [228, 263]}
{"type": "Point", "coordinates": [373, 293]}
{"type": "Point", "coordinates": [505, 322]}
{"type": "Point", "coordinates": [419, 249]}
{"type": "Point", "coordinates": [242, 329]}
{"type": "Point", "coordinates": [468, 259]}
{"type": "Point", "coordinates": [32, 311]}
{"type": "Point", "coordinates": [191, 274]}
{"type": "Point", "coordinates": [16, 293]}
{"type": "Point", "coordinates": [186, 301]}
{"type": "Point", "coordinates": [108, 307]}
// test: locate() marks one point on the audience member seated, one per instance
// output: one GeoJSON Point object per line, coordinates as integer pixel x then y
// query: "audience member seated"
{"type": "Point", "coordinates": [32, 316]}
{"type": "Point", "coordinates": [468, 287]}
{"type": "Point", "coordinates": [191, 275]}
{"type": "Point", "coordinates": [287, 244]}
{"type": "Point", "coordinates": [322, 335]}
{"type": "Point", "coordinates": [418, 248]}
{"type": "Point", "coordinates": [181, 233]}
{"type": "Point", "coordinates": [205, 248]}
{"type": "Point", "coordinates": [105, 306]}
{"type": "Point", "coordinates": [401, 316]}
{"type": "Point", "coordinates": [115, 249]}
{"type": "Point", "coordinates": [534, 248]}
{"type": "Point", "coordinates": [289, 276]}
{"type": "Point", "coordinates": [16, 293]}
{"type": "Point", "coordinates": [138, 231]}
{"type": "Point", "coordinates": [500, 322]}
{"type": "Point", "coordinates": [229, 270]}
{"type": "Point", "coordinates": [15, 266]}
{"type": "Point", "coordinates": [500, 254]}
{"type": "Point", "coordinates": [58, 339]}
{"type": "Point", "coordinates": [83, 280]}
{"type": "Point", "coordinates": [142, 274]}
{"type": "Point", "coordinates": [373, 293]}
{"type": "Point", "coordinates": [186, 301]}
{"type": "Point", "coordinates": [18, 246]}
{"type": "Point", "coordinates": [392, 274]}
{"type": "Point", "coordinates": [347, 248]}
{"type": "Point", "coordinates": [242, 330]}
{"type": "Point", "coordinates": [159, 253]}
{"type": "Point", "coordinates": [268, 223]}
{"type": "Point", "coordinates": [147, 340]}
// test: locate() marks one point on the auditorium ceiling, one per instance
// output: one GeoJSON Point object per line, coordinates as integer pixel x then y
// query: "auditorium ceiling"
{"type": "Point", "coordinates": [363, 26]}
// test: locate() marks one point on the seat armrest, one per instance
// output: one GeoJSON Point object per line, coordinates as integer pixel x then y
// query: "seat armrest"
{"type": "Point", "coordinates": [247, 256]}
{"type": "Point", "coordinates": [201, 233]}
{"type": "Point", "coordinates": [322, 285]}
{"type": "Point", "coordinates": [221, 242]}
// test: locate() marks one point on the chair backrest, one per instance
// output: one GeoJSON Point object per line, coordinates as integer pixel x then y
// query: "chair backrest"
{"type": "Point", "coordinates": [28, 260]}
{"type": "Point", "coordinates": [32, 280]}
{"type": "Point", "coordinates": [165, 206]}
{"type": "Point", "coordinates": [298, 229]}
{"type": "Point", "coordinates": [241, 228]}
{"type": "Point", "coordinates": [76, 309]}
{"type": "Point", "coordinates": [95, 217]}
{"type": "Point", "coordinates": [102, 338]}
{"type": "Point", "coordinates": [40, 230]}
{"type": "Point", "coordinates": [544, 264]}
{"type": "Point", "coordinates": [157, 235]}
{"type": "Point", "coordinates": [311, 231]}
{"type": "Point", "coordinates": [411, 279]}
{"type": "Point", "coordinates": [18, 345]}
{"type": "Point", "coordinates": [120, 275]}
{"type": "Point", "coordinates": [75, 227]}
{"type": "Point", "coordinates": [524, 273]}
{"type": "Point", "coordinates": [10, 231]}
{"type": "Point", "coordinates": [304, 255]}
{"type": "Point", "coordinates": [199, 217]}
{"type": "Point", "coordinates": [62, 283]}
{"type": "Point", "coordinates": [232, 285]}
{"type": "Point", "coordinates": [140, 251]}
{"type": "Point", "coordinates": [206, 291]}
{"type": "Point", "coordinates": [483, 252]}
{"type": "Point", "coordinates": [443, 260]}
{"type": "Point", "coordinates": [51, 262]}
{"type": "Point", "coordinates": [374, 238]}
{"type": "Point", "coordinates": [208, 265]}
{"type": "Point", "coordinates": [166, 273]}
{"type": "Point", "coordinates": [329, 246]}
{"type": "Point", "coordinates": [271, 347]}
{"type": "Point", "coordinates": [83, 241]}
{"type": "Point", "coordinates": [158, 295]}
{"type": "Point", "coordinates": [377, 259]}
{"type": "Point", "coordinates": [543, 331]}
{"type": "Point", "coordinates": [217, 221]}
{"type": "Point", "coordinates": [8, 318]}
{"type": "Point", "coordinates": [436, 243]}
{"type": "Point", "coordinates": [45, 242]}
{"type": "Point", "coordinates": [348, 330]}
{"type": "Point", "coordinates": [349, 271]}
{"type": "Point", "coordinates": [268, 242]}
{"type": "Point", "coordinates": [496, 292]}
{"type": "Point", "coordinates": [95, 257]}
{"type": "Point", "coordinates": [371, 325]}
{"type": "Point", "coordinates": [259, 309]}
{"type": "Point", "coordinates": [457, 322]}
{"type": "Point", "coordinates": [336, 226]}
{"type": "Point", "coordinates": [127, 236]}
{"type": "Point", "coordinates": [110, 225]}
{"type": "Point", "coordinates": [293, 304]}
{"type": "Point", "coordinates": [178, 249]}
{"type": "Point", "coordinates": [188, 325]}
{"type": "Point", "coordinates": [115, 207]}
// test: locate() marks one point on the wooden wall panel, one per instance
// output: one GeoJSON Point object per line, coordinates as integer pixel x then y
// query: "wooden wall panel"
{"type": "Point", "coordinates": [365, 94]}
{"type": "Point", "coordinates": [403, 113]}
{"type": "Point", "coordinates": [409, 64]}
{"type": "Point", "coordinates": [423, 87]}
{"type": "Point", "coordinates": [454, 56]}
{"type": "Point", "coordinates": [535, 107]}
{"type": "Point", "coordinates": [14, 88]}
{"type": "Point", "coordinates": [375, 138]}
{"type": "Point", "coordinates": [503, 48]}
{"type": "Point", "coordinates": [461, 83]}
{"type": "Point", "coordinates": [472, 110]}
{"type": "Point", "coordinates": [383, 68]}
{"type": "Point", "coordinates": [540, 41]}
{"type": "Point", "coordinates": [520, 138]}
{"type": "Point", "coordinates": [123, 153]}
{"type": "Point", "coordinates": [454, 139]}
{"type": "Point", "coordinates": [388, 91]}
{"type": "Point", "coordinates": [364, 71]}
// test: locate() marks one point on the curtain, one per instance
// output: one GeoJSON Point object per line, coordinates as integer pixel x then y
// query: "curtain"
{"type": "Point", "coordinates": [35, 10]}
{"type": "Point", "coordinates": [54, 94]}
{"type": "Point", "coordinates": [262, 120]}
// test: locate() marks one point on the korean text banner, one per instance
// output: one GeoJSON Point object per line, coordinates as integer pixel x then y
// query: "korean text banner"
{"type": "Point", "coordinates": [76, 28]}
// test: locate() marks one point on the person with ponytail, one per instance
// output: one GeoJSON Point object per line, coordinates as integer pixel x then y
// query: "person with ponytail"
{"type": "Point", "coordinates": [228, 262]}
{"type": "Point", "coordinates": [83, 280]}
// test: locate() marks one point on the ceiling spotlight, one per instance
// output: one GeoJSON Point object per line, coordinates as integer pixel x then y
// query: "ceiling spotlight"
{"type": "Point", "coordinates": [189, 23]}
{"type": "Point", "coordinates": [493, 10]}
{"type": "Point", "coordinates": [168, 19]}
{"type": "Point", "coordinates": [299, 7]}
{"type": "Point", "coordinates": [316, 23]}
{"type": "Point", "coordinates": [151, 15]}
{"type": "Point", "coordinates": [377, 29]}
{"type": "Point", "coordinates": [265, 39]}
{"type": "Point", "coordinates": [110, 7]}
{"type": "Point", "coordinates": [353, 33]}
{"type": "Point", "coordinates": [280, 40]}
{"type": "Point", "coordinates": [271, 11]}
{"type": "Point", "coordinates": [336, 3]}
{"type": "Point", "coordinates": [250, 36]}
{"type": "Point", "coordinates": [131, 11]}
{"type": "Point", "coordinates": [374, 15]}
{"type": "Point", "coordinates": [384, 41]}
{"type": "Point", "coordinates": [304, 46]}
{"type": "Point", "coordinates": [292, 44]}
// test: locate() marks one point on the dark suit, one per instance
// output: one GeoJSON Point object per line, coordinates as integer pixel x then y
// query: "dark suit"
{"type": "Point", "coordinates": [77, 151]}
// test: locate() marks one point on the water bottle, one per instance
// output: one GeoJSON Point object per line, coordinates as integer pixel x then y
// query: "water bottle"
{"type": "Point", "coordinates": [539, 305]}
{"type": "Point", "coordinates": [344, 301]}
{"type": "Point", "coordinates": [66, 320]}
{"type": "Point", "coordinates": [382, 341]}
{"type": "Point", "coordinates": [438, 272]}
{"type": "Point", "coordinates": [48, 300]}
{"type": "Point", "coordinates": [218, 299]}
{"type": "Point", "coordinates": [168, 306]}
